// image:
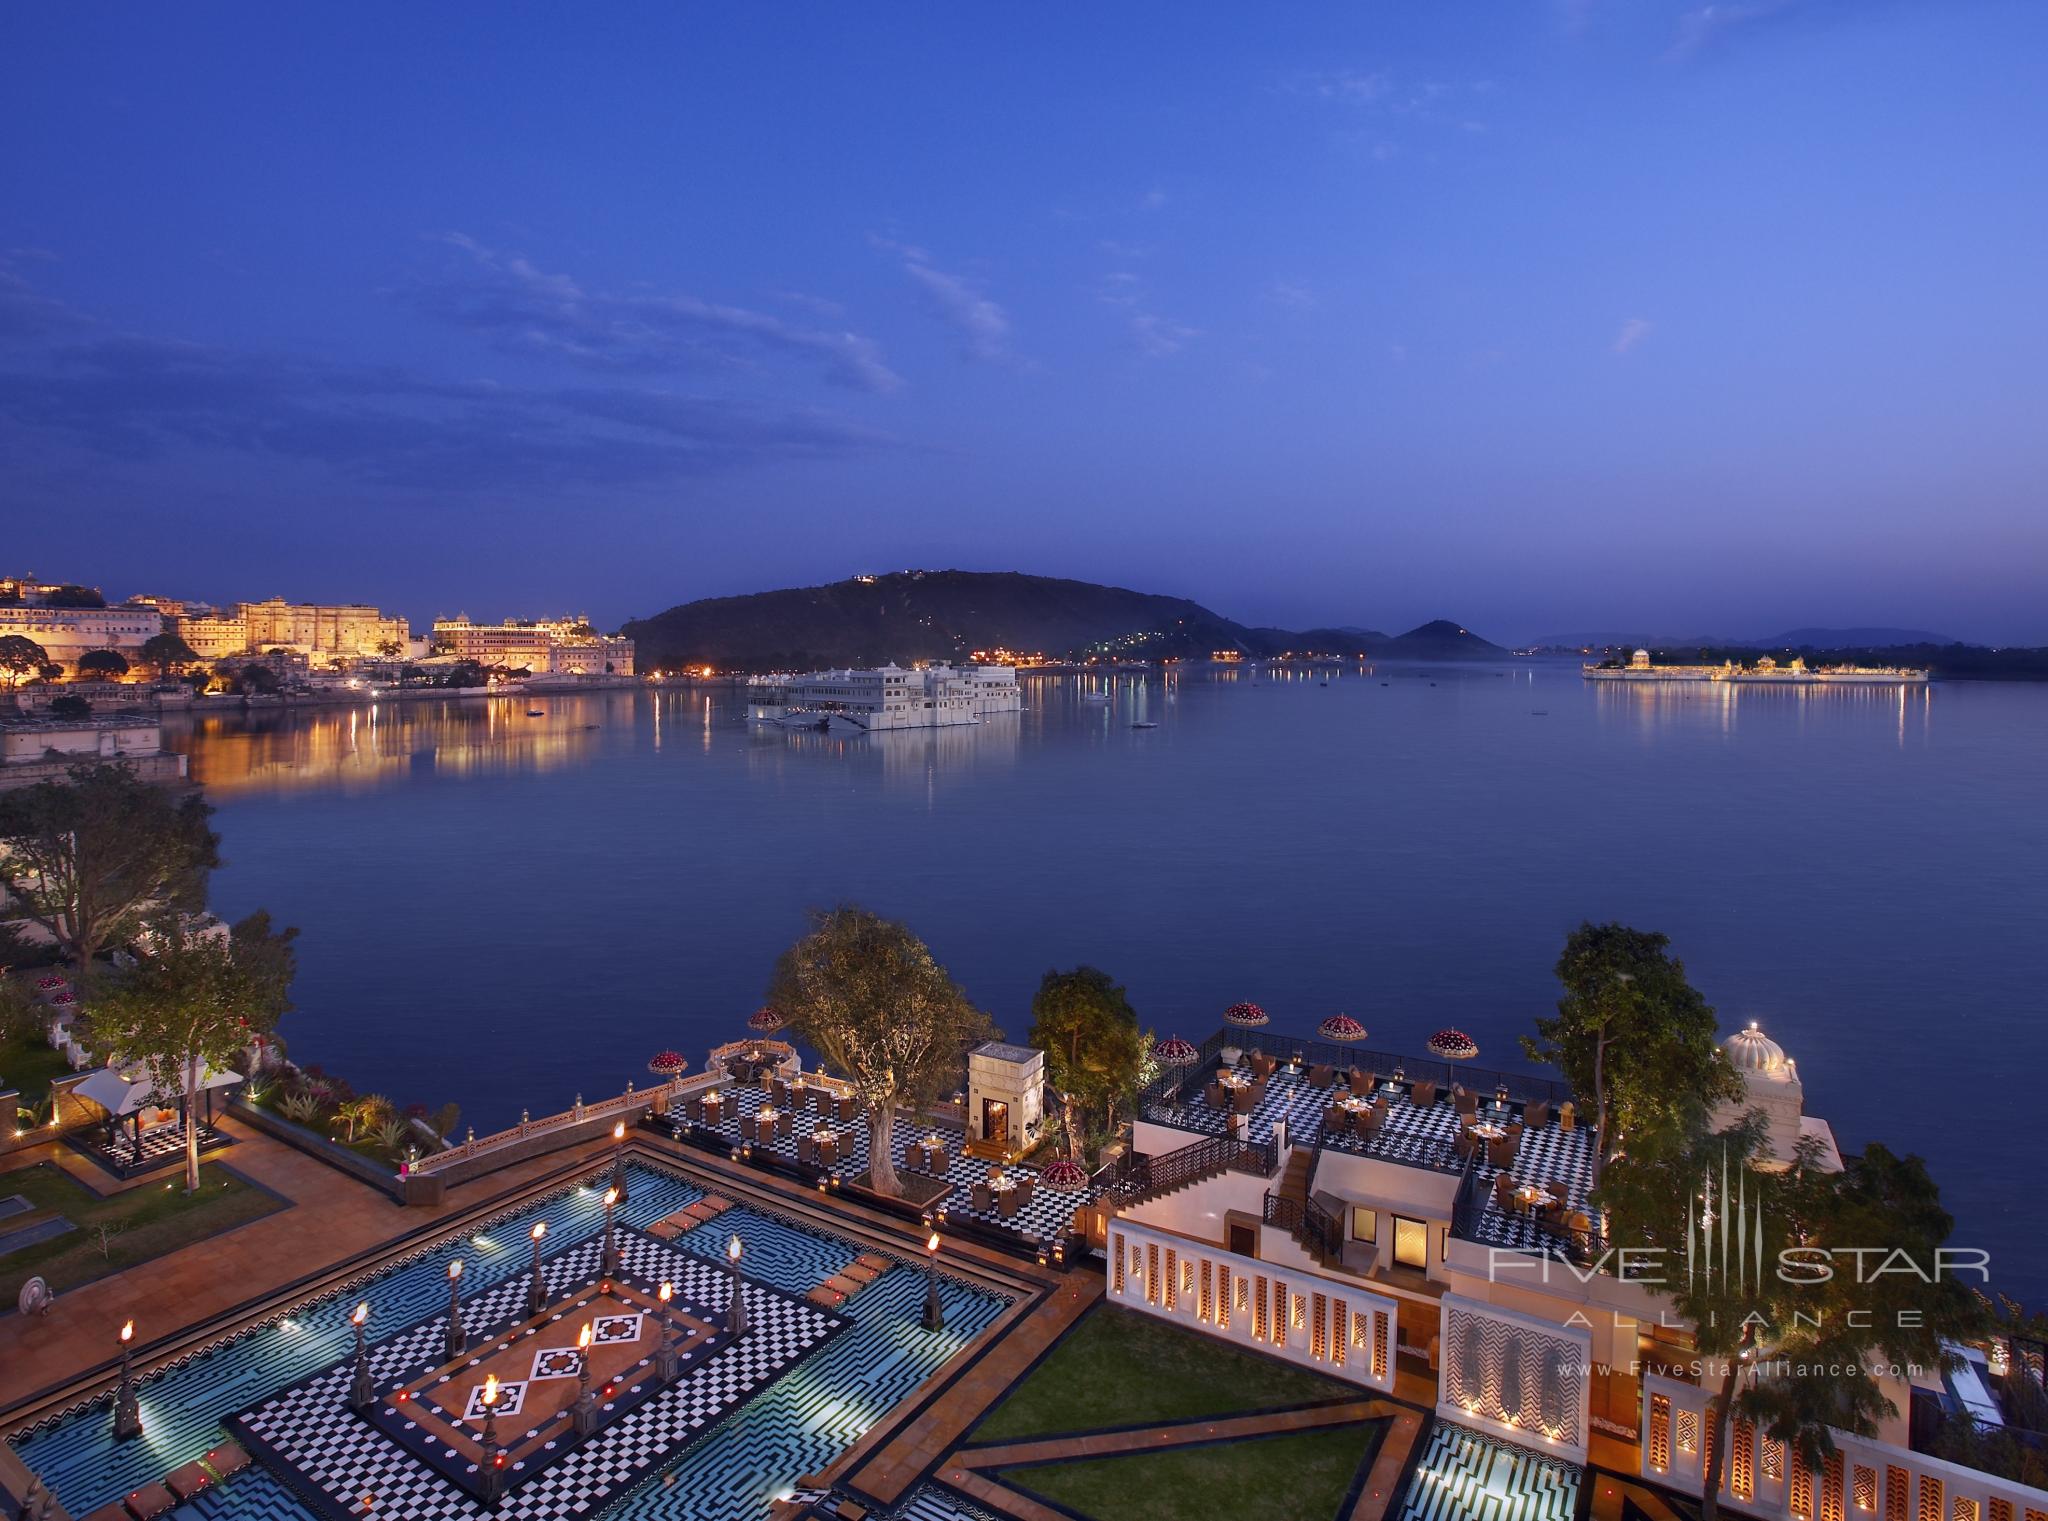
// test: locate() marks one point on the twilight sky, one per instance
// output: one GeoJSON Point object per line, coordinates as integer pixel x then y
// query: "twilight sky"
{"type": "Point", "coordinates": [1546, 315]}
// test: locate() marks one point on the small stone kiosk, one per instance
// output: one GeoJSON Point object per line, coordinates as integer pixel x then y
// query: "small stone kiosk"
{"type": "Point", "coordinates": [1005, 1098]}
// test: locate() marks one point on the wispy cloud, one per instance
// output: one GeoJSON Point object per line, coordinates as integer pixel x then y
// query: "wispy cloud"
{"type": "Point", "coordinates": [1154, 199]}
{"type": "Point", "coordinates": [1291, 293]}
{"type": "Point", "coordinates": [522, 309]}
{"type": "Point", "coordinates": [1633, 332]}
{"type": "Point", "coordinates": [1153, 335]}
{"type": "Point", "coordinates": [1389, 103]}
{"type": "Point", "coordinates": [75, 383]}
{"type": "Point", "coordinates": [1708, 25]}
{"type": "Point", "coordinates": [983, 326]}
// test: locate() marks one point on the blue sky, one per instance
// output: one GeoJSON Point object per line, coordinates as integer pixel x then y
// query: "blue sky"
{"type": "Point", "coordinates": [1546, 315]}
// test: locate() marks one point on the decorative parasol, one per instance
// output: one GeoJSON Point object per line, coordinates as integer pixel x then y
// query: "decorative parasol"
{"type": "Point", "coordinates": [766, 1021]}
{"type": "Point", "coordinates": [667, 1063]}
{"type": "Point", "coordinates": [1064, 1174]}
{"type": "Point", "coordinates": [1341, 1027]}
{"type": "Point", "coordinates": [1246, 1016]}
{"type": "Point", "coordinates": [1453, 1046]}
{"type": "Point", "coordinates": [1178, 1054]}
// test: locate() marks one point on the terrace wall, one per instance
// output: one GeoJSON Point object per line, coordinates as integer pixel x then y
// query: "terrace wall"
{"type": "Point", "coordinates": [1333, 1326]}
{"type": "Point", "coordinates": [1763, 1477]}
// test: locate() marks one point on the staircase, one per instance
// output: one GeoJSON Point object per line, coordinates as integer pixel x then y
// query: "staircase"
{"type": "Point", "coordinates": [1317, 1225]}
{"type": "Point", "coordinates": [1155, 1177]}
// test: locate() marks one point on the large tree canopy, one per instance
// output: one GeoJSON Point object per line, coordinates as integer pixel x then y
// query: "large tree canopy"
{"type": "Point", "coordinates": [107, 664]}
{"type": "Point", "coordinates": [1635, 1039]}
{"type": "Point", "coordinates": [871, 999]}
{"type": "Point", "coordinates": [21, 657]}
{"type": "Point", "coordinates": [1094, 1050]}
{"type": "Point", "coordinates": [96, 857]}
{"type": "Point", "coordinates": [168, 653]}
{"type": "Point", "coordinates": [194, 1000]}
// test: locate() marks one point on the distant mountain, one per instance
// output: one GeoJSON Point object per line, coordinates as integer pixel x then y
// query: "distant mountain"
{"type": "Point", "coordinates": [1438, 640]}
{"type": "Point", "coordinates": [930, 615]}
{"type": "Point", "coordinates": [949, 614]}
{"type": "Point", "coordinates": [1847, 638]}
{"type": "Point", "coordinates": [1798, 638]}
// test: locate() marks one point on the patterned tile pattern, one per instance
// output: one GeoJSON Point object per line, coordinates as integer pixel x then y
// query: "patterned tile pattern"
{"type": "Point", "coordinates": [1464, 1476]}
{"type": "Point", "coordinates": [797, 1425]}
{"type": "Point", "coordinates": [1046, 1216]}
{"type": "Point", "coordinates": [161, 1147]}
{"type": "Point", "coordinates": [343, 1457]}
{"type": "Point", "coordinates": [1416, 1136]}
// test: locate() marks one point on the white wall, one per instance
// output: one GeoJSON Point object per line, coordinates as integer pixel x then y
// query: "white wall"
{"type": "Point", "coordinates": [1865, 1476]}
{"type": "Point", "coordinates": [1358, 1326]}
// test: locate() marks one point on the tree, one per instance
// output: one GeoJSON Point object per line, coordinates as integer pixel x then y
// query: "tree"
{"type": "Point", "coordinates": [70, 705]}
{"type": "Point", "coordinates": [467, 673]}
{"type": "Point", "coordinates": [73, 596]}
{"type": "Point", "coordinates": [192, 1001]}
{"type": "Point", "coordinates": [1636, 1039]}
{"type": "Point", "coordinates": [169, 653]}
{"type": "Point", "coordinates": [255, 680]}
{"type": "Point", "coordinates": [1094, 1050]}
{"type": "Point", "coordinates": [390, 649]}
{"type": "Point", "coordinates": [20, 657]}
{"type": "Point", "coordinates": [102, 665]}
{"type": "Point", "coordinates": [94, 858]}
{"type": "Point", "coordinates": [1830, 1271]}
{"type": "Point", "coordinates": [870, 998]}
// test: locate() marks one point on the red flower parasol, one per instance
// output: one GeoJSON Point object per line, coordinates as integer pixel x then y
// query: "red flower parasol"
{"type": "Point", "coordinates": [1246, 1016]}
{"type": "Point", "coordinates": [1453, 1046]}
{"type": "Point", "coordinates": [1064, 1174]}
{"type": "Point", "coordinates": [1341, 1027]}
{"type": "Point", "coordinates": [1175, 1052]}
{"type": "Point", "coordinates": [766, 1021]}
{"type": "Point", "coordinates": [667, 1063]}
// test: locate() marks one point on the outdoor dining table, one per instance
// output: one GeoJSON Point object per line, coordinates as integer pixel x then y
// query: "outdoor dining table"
{"type": "Point", "coordinates": [766, 1124]}
{"type": "Point", "coordinates": [933, 1151]}
{"type": "Point", "coordinates": [826, 1143]}
{"type": "Point", "coordinates": [1488, 1131]}
{"type": "Point", "coordinates": [1532, 1197]}
{"type": "Point", "coordinates": [714, 1106]}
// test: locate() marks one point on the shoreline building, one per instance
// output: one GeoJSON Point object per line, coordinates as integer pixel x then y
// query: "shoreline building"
{"type": "Point", "coordinates": [70, 621]}
{"type": "Point", "coordinates": [1766, 672]}
{"type": "Point", "coordinates": [889, 697]}
{"type": "Point", "coordinates": [1376, 1217]}
{"type": "Point", "coordinates": [321, 632]}
{"type": "Point", "coordinates": [542, 646]}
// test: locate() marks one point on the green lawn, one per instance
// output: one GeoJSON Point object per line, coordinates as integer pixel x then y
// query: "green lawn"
{"type": "Point", "coordinates": [148, 1221]}
{"type": "Point", "coordinates": [1303, 1478]}
{"type": "Point", "coordinates": [29, 1066]}
{"type": "Point", "coordinates": [1122, 1368]}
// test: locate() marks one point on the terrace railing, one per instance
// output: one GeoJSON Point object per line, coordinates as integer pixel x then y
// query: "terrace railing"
{"type": "Point", "coordinates": [624, 1106]}
{"type": "Point", "coordinates": [1475, 1218]}
{"type": "Point", "coordinates": [1521, 1087]}
{"type": "Point", "coordinates": [1139, 1178]}
{"type": "Point", "coordinates": [1317, 1228]}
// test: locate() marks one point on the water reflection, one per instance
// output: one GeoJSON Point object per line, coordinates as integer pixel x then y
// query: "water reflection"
{"type": "Point", "coordinates": [1653, 707]}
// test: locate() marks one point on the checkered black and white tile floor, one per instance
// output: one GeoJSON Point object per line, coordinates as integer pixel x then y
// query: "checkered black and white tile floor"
{"type": "Point", "coordinates": [1416, 1136]}
{"type": "Point", "coordinates": [1046, 1216]}
{"type": "Point", "coordinates": [342, 1458]}
{"type": "Point", "coordinates": [795, 1423]}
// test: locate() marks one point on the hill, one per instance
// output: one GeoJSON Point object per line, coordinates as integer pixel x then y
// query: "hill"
{"type": "Point", "coordinates": [1437, 640]}
{"type": "Point", "coordinates": [930, 615]}
{"type": "Point", "coordinates": [1848, 638]}
{"type": "Point", "coordinates": [949, 614]}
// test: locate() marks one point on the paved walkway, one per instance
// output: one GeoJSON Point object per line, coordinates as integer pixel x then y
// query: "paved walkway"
{"type": "Point", "coordinates": [331, 1219]}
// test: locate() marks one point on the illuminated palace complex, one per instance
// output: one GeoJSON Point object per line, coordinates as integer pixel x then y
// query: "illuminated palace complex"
{"type": "Point", "coordinates": [686, 1302]}
{"type": "Point", "coordinates": [891, 697]}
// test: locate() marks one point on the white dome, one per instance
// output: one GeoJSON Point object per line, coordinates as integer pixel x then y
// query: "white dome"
{"type": "Point", "coordinates": [1753, 1051]}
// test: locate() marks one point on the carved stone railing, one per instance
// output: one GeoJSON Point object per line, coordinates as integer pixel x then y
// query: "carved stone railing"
{"type": "Point", "coordinates": [625, 1106]}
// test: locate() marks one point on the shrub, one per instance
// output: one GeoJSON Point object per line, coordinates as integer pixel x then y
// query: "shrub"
{"type": "Point", "coordinates": [302, 1107]}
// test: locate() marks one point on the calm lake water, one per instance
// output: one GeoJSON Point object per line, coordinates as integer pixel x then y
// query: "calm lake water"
{"type": "Point", "coordinates": [506, 910]}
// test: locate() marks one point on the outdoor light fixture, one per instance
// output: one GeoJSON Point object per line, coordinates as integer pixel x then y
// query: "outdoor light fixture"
{"type": "Point", "coordinates": [127, 1413]}
{"type": "Point", "coordinates": [536, 1292]}
{"type": "Point", "coordinates": [619, 1160]}
{"type": "Point", "coordinates": [494, 1469]}
{"type": "Point", "coordinates": [458, 1337]}
{"type": "Point", "coordinates": [934, 1313]}
{"type": "Point", "coordinates": [736, 1311]}
{"type": "Point", "coordinates": [667, 1363]}
{"type": "Point", "coordinates": [584, 1416]}
{"type": "Point", "coordinates": [610, 1262]}
{"type": "Point", "coordinates": [361, 1392]}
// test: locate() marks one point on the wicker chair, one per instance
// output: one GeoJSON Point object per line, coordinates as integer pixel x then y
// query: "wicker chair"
{"type": "Point", "coordinates": [1422, 1095]}
{"type": "Point", "coordinates": [1536, 1113]}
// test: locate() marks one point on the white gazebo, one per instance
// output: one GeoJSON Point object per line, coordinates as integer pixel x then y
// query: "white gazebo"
{"type": "Point", "coordinates": [127, 1093]}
